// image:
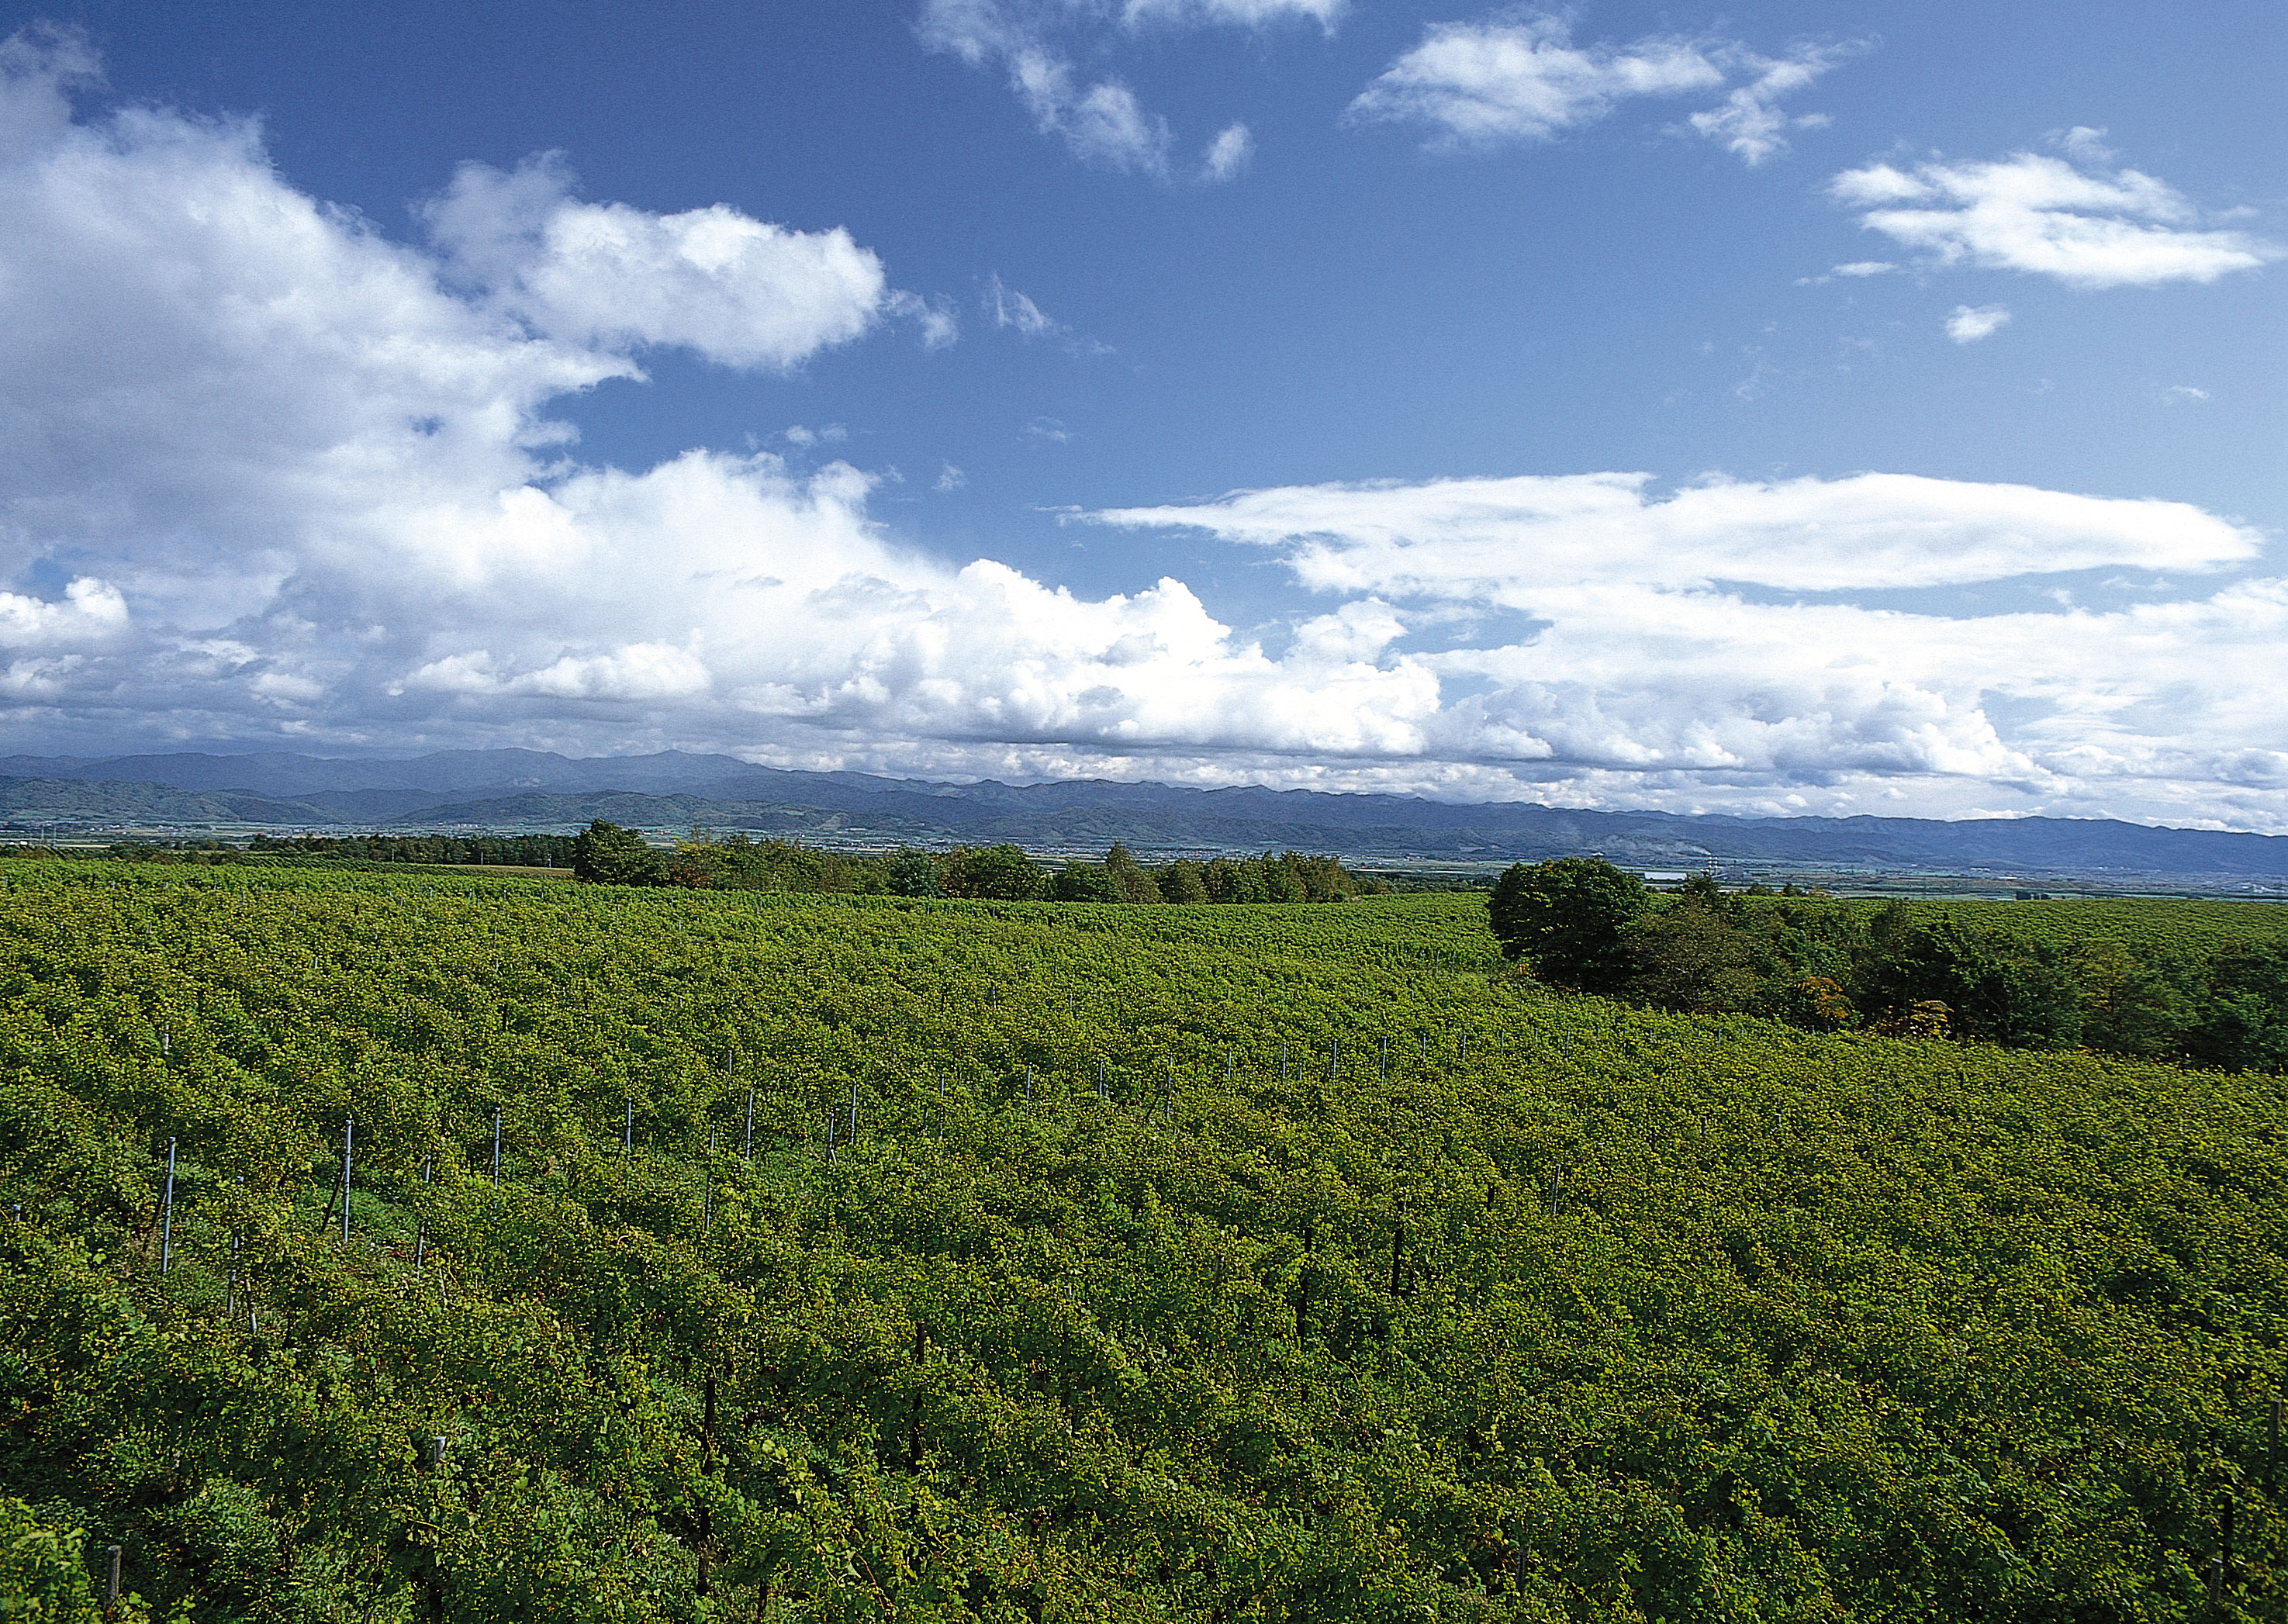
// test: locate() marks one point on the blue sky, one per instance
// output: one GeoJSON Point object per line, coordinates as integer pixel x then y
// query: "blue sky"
{"type": "Point", "coordinates": [1776, 408]}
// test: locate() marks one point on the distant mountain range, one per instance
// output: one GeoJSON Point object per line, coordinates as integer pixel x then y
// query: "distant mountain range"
{"type": "Point", "coordinates": [527, 790]}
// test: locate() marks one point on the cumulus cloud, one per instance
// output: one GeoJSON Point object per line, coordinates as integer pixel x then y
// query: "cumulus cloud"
{"type": "Point", "coordinates": [91, 613]}
{"type": "Point", "coordinates": [293, 477]}
{"type": "Point", "coordinates": [1099, 119]}
{"type": "Point", "coordinates": [1968, 323]}
{"type": "Point", "coordinates": [2042, 215]}
{"type": "Point", "coordinates": [1522, 78]}
{"type": "Point", "coordinates": [738, 290]}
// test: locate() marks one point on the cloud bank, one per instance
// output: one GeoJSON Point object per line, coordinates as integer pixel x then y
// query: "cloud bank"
{"type": "Point", "coordinates": [269, 476]}
{"type": "Point", "coordinates": [1514, 78]}
{"type": "Point", "coordinates": [1660, 650]}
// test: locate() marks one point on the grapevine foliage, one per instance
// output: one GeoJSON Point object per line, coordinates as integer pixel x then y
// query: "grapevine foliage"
{"type": "Point", "coordinates": [1270, 1263]}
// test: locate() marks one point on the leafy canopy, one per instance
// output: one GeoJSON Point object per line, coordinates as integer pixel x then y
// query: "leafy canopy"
{"type": "Point", "coordinates": [1569, 920]}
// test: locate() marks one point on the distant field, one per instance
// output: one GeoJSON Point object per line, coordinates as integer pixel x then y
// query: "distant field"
{"type": "Point", "coordinates": [2173, 923]}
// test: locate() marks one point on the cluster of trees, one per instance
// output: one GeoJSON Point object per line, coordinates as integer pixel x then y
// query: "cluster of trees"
{"type": "Point", "coordinates": [608, 854]}
{"type": "Point", "coordinates": [1580, 923]}
{"type": "Point", "coordinates": [1289, 878]}
{"type": "Point", "coordinates": [504, 851]}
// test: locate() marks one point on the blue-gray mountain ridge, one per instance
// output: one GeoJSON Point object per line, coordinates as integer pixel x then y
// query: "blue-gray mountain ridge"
{"type": "Point", "coordinates": [514, 788]}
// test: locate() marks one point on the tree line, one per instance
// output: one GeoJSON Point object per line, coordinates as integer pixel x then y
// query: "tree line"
{"type": "Point", "coordinates": [1582, 923]}
{"type": "Point", "coordinates": [504, 851]}
{"type": "Point", "coordinates": [501, 851]}
{"type": "Point", "coordinates": [604, 853]}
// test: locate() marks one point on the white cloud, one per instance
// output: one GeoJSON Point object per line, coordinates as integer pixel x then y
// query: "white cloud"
{"type": "Point", "coordinates": [300, 481]}
{"type": "Point", "coordinates": [1100, 119]}
{"type": "Point", "coordinates": [1749, 122]}
{"type": "Point", "coordinates": [1650, 659]}
{"type": "Point", "coordinates": [935, 316]}
{"type": "Point", "coordinates": [1479, 85]}
{"type": "Point", "coordinates": [949, 479]}
{"type": "Point", "coordinates": [2041, 214]}
{"type": "Point", "coordinates": [1102, 123]}
{"type": "Point", "coordinates": [92, 613]}
{"type": "Point", "coordinates": [2183, 395]}
{"type": "Point", "coordinates": [2083, 145]}
{"type": "Point", "coordinates": [1967, 324]}
{"type": "Point", "coordinates": [1495, 539]}
{"type": "Point", "coordinates": [1522, 78]}
{"type": "Point", "coordinates": [1865, 267]}
{"type": "Point", "coordinates": [606, 276]}
{"type": "Point", "coordinates": [1244, 14]}
{"type": "Point", "coordinates": [1010, 308]}
{"type": "Point", "coordinates": [1016, 312]}
{"type": "Point", "coordinates": [1229, 154]}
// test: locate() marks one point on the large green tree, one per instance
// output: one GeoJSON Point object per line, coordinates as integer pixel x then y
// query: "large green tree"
{"type": "Point", "coordinates": [606, 854]}
{"type": "Point", "coordinates": [999, 874]}
{"type": "Point", "coordinates": [1568, 919]}
{"type": "Point", "coordinates": [1086, 882]}
{"type": "Point", "coordinates": [1688, 956]}
{"type": "Point", "coordinates": [1134, 883]}
{"type": "Point", "coordinates": [913, 873]}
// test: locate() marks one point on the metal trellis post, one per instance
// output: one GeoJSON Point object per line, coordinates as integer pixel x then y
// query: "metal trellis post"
{"type": "Point", "coordinates": [167, 1216]}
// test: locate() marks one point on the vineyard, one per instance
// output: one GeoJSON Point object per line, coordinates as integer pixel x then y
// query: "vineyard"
{"type": "Point", "coordinates": [431, 1247]}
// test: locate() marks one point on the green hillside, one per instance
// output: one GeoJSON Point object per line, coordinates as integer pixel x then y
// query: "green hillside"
{"type": "Point", "coordinates": [1239, 1263]}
